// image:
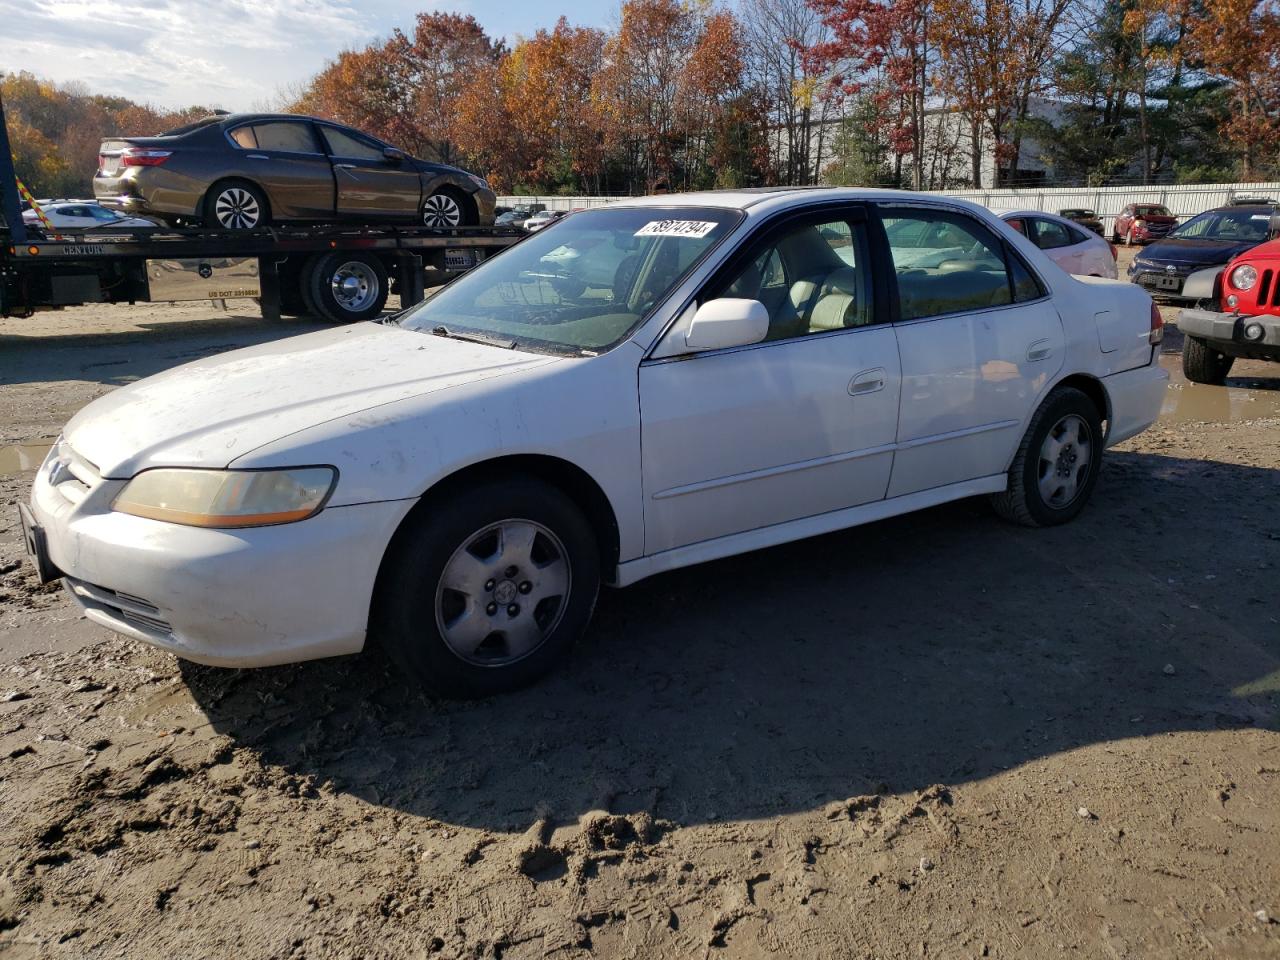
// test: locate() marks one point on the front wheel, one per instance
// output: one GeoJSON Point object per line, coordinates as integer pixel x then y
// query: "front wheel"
{"type": "Point", "coordinates": [1056, 466]}
{"type": "Point", "coordinates": [1201, 363]}
{"type": "Point", "coordinates": [446, 208]}
{"type": "Point", "coordinates": [482, 594]}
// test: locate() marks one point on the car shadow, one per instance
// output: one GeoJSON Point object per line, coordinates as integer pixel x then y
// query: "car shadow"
{"type": "Point", "coordinates": [122, 356]}
{"type": "Point", "coordinates": [941, 647]}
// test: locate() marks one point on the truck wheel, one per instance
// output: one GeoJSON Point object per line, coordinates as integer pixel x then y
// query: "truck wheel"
{"type": "Point", "coordinates": [1056, 467]}
{"type": "Point", "coordinates": [345, 287]}
{"type": "Point", "coordinates": [1201, 363]}
{"type": "Point", "coordinates": [483, 593]}
{"type": "Point", "coordinates": [236, 205]}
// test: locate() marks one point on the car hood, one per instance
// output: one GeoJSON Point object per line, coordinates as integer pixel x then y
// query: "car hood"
{"type": "Point", "coordinates": [1194, 251]}
{"type": "Point", "coordinates": [212, 411]}
{"type": "Point", "coordinates": [1265, 251]}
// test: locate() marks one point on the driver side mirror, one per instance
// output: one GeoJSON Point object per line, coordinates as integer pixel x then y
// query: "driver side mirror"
{"type": "Point", "coordinates": [394, 155]}
{"type": "Point", "coordinates": [727, 322]}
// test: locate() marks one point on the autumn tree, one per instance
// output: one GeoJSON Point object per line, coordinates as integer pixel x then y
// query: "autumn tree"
{"type": "Point", "coordinates": [407, 89]}
{"type": "Point", "coordinates": [881, 50]}
{"type": "Point", "coordinates": [1239, 41]}
{"type": "Point", "coordinates": [787, 85]}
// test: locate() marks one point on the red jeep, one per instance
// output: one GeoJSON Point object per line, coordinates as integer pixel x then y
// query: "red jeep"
{"type": "Point", "coordinates": [1142, 223]}
{"type": "Point", "coordinates": [1247, 291]}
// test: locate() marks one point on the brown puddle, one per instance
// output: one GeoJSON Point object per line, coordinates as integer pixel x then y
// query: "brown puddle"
{"type": "Point", "coordinates": [23, 457]}
{"type": "Point", "coordinates": [1185, 402]}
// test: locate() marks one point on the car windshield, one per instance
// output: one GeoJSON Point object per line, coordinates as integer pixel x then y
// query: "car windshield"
{"type": "Point", "coordinates": [582, 284]}
{"type": "Point", "coordinates": [1078, 213]}
{"type": "Point", "coordinates": [1154, 211]}
{"type": "Point", "coordinates": [1232, 225]}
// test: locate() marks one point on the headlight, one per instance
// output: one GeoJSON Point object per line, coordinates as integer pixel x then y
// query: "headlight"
{"type": "Point", "coordinates": [480, 182]}
{"type": "Point", "coordinates": [1244, 277]}
{"type": "Point", "coordinates": [227, 498]}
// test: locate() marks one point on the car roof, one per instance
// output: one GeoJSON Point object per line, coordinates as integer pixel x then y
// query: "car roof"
{"type": "Point", "coordinates": [767, 199]}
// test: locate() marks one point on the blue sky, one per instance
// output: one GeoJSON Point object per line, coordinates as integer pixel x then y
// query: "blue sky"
{"type": "Point", "coordinates": [234, 54]}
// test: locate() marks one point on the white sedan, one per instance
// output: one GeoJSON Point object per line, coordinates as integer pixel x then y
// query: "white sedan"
{"type": "Point", "coordinates": [82, 215]}
{"type": "Point", "coordinates": [1076, 250]}
{"type": "Point", "coordinates": [757, 367]}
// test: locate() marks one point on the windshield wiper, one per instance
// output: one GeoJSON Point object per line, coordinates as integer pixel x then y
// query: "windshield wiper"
{"type": "Point", "coordinates": [440, 330]}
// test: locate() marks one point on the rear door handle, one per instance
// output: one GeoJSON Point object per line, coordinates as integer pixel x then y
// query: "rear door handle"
{"type": "Point", "coordinates": [344, 166]}
{"type": "Point", "coordinates": [868, 381]}
{"type": "Point", "coordinates": [1039, 350]}
{"type": "Point", "coordinates": [256, 156]}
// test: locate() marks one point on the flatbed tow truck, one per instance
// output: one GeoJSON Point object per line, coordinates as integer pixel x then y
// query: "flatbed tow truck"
{"type": "Point", "coordinates": [338, 272]}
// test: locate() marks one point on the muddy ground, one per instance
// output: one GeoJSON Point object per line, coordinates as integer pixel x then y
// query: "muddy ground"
{"type": "Point", "coordinates": [935, 736]}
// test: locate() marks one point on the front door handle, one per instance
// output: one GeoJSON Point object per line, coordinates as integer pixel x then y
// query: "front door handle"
{"type": "Point", "coordinates": [868, 381]}
{"type": "Point", "coordinates": [256, 156]}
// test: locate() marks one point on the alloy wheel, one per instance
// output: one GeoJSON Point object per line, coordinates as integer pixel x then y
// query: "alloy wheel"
{"type": "Point", "coordinates": [441, 210]}
{"type": "Point", "coordinates": [503, 592]}
{"type": "Point", "coordinates": [237, 209]}
{"type": "Point", "coordinates": [355, 286]}
{"type": "Point", "coordinates": [1065, 456]}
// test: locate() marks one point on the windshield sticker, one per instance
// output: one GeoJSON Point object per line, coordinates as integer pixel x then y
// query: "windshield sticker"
{"type": "Point", "coordinates": [676, 228]}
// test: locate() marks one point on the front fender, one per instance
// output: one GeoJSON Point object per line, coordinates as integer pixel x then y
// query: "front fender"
{"type": "Point", "coordinates": [1203, 285]}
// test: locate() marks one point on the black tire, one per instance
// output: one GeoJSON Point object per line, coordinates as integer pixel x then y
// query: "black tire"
{"type": "Point", "coordinates": [1201, 363]}
{"type": "Point", "coordinates": [325, 276]}
{"type": "Point", "coordinates": [411, 602]}
{"type": "Point", "coordinates": [1023, 502]}
{"type": "Point", "coordinates": [435, 210]}
{"type": "Point", "coordinates": [1115, 237]}
{"type": "Point", "coordinates": [226, 206]}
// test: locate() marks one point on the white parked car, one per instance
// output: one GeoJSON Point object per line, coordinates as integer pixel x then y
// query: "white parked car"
{"type": "Point", "coordinates": [756, 369]}
{"type": "Point", "coordinates": [82, 215]}
{"type": "Point", "coordinates": [1076, 250]}
{"type": "Point", "coordinates": [543, 218]}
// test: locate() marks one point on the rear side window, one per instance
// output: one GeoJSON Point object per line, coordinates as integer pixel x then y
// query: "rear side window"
{"type": "Point", "coordinates": [949, 263]}
{"type": "Point", "coordinates": [1050, 235]}
{"type": "Point", "coordinates": [343, 144]}
{"type": "Point", "coordinates": [243, 137]}
{"type": "Point", "coordinates": [284, 135]}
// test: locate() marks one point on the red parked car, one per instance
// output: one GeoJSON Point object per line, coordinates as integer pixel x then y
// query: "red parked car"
{"type": "Point", "coordinates": [1247, 323]}
{"type": "Point", "coordinates": [1142, 223]}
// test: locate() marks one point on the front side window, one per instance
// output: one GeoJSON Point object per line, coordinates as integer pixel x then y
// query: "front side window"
{"type": "Point", "coordinates": [343, 144]}
{"type": "Point", "coordinates": [288, 136]}
{"type": "Point", "coordinates": [809, 278]}
{"type": "Point", "coordinates": [950, 263]}
{"type": "Point", "coordinates": [583, 283]}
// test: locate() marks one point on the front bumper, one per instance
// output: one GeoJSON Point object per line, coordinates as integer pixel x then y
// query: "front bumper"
{"type": "Point", "coordinates": [1158, 282]}
{"type": "Point", "coordinates": [234, 598]}
{"type": "Point", "coordinates": [1226, 332]}
{"type": "Point", "coordinates": [1135, 397]}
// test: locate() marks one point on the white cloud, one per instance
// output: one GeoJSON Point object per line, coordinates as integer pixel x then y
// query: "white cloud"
{"type": "Point", "coordinates": [233, 54]}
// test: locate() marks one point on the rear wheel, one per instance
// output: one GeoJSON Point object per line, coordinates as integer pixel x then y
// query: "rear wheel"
{"type": "Point", "coordinates": [236, 205]}
{"type": "Point", "coordinates": [1201, 363]}
{"type": "Point", "coordinates": [484, 592]}
{"type": "Point", "coordinates": [345, 287]}
{"type": "Point", "coordinates": [1056, 466]}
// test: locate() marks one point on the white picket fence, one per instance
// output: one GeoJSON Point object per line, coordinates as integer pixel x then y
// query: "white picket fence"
{"type": "Point", "coordinates": [1184, 200]}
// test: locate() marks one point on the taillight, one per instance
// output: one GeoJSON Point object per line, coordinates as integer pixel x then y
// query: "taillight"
{"type": "Point", "coordinates": [1157, 326]}
{"type": "Point", "coordinates": [140, 157]}
{"type": "Point", "coordinates": [1115, 254]}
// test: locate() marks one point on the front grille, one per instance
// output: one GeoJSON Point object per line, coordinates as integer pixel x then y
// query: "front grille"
{"type": "Point", "coordinates": [1150, 280]}
{"type": "Point", "coordinates": [70, 474]}
{"type": "Point", "coordinates": [117, 605]}
{"type": "Point", "coordinates": [1268, 295]}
